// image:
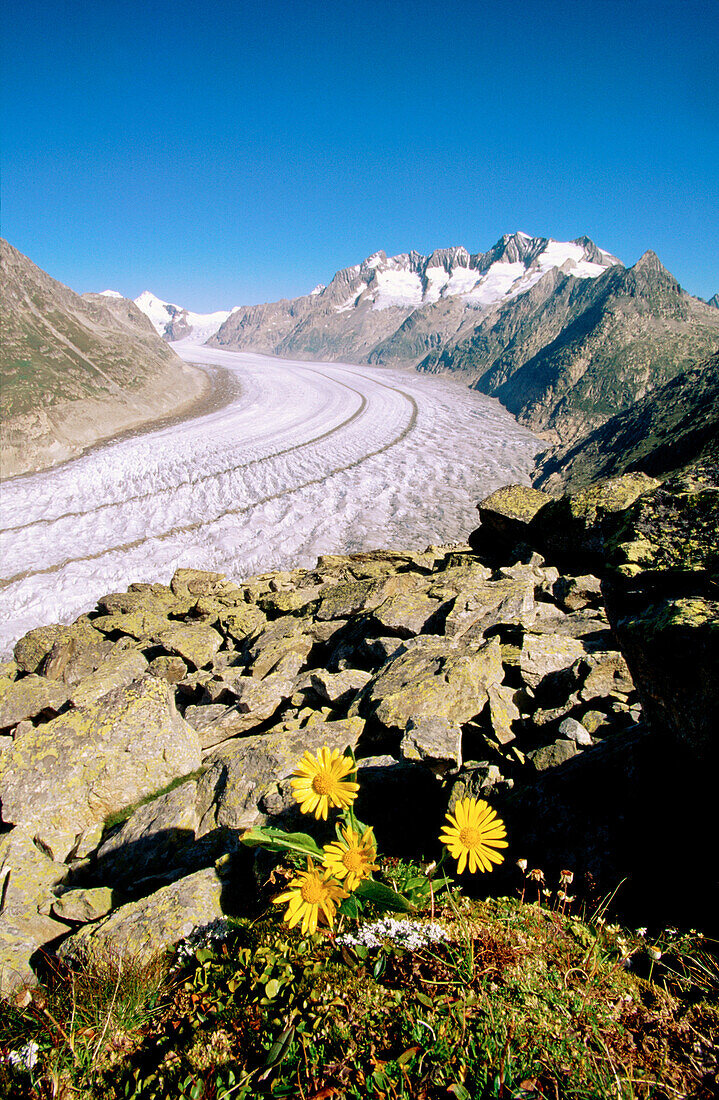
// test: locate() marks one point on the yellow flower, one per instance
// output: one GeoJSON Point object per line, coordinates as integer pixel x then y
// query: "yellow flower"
{"type": "Point", "coordinates": [472, 835]}
{"type": "Point", "coordinates": [320, 782]}
{"type": "Point", "coordinates": [314, 891]}
{"type": "Point", "coordinates": [352, 858]}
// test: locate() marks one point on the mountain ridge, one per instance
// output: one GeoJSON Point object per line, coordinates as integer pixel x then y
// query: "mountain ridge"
{"type": "Point", "coordinates": [77, 368]}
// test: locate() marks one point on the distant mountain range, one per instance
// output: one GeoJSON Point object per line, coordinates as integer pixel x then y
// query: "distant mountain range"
{"type": "Point", "coordinates": [77, 369]}
{"type": "Point", "coordinates": [560, 332]}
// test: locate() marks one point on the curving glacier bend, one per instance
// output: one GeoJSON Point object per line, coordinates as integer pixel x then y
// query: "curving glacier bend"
{"type": "Point", "coordinates": [306, 459]}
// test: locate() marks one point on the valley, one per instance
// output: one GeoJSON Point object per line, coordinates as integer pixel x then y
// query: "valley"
{"type": "Point", "coordinates": [306, 459]}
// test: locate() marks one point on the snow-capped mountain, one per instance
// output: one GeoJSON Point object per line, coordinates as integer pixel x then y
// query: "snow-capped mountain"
{"type": "Point", "coordinates": [365, 305]}
{"type": "Point", "coordinates": [174, 322]}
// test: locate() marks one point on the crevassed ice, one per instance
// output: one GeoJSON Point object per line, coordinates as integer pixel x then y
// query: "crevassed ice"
{"type": "Point", "coordinates": [307, 459]}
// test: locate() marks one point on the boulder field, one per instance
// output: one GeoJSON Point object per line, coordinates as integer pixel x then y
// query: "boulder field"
{"type": "Point", "coordinates": [563, 665]}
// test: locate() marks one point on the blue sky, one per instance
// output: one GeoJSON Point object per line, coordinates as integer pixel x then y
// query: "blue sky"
{"type": "Point", "coordinates": [233, 152]}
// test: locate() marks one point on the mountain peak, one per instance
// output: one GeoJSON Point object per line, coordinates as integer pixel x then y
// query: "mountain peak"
{"type": "Point", "coordinates": [650, 262]}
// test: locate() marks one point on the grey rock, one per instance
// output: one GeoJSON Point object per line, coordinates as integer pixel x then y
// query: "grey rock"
{"type": "Point", "coordinates": [573, 730]}
{"type": "Point", "coordinates": [143, 929]}
{"type": "Point", "coordinates": [551, 756]}
{"type": "Point", "coordinates": [247, 770]}
{"type": "Point", "coordinates": [434, 742]}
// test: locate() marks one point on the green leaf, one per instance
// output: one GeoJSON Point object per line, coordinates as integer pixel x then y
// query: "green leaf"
{"type": "Point", "coordinates": [423, 999]}
{"type": "Point", "coordinates": [272, 988]}
{"type": "Point", "coordinates": [278, 1050]}
{"type": "Point", "coordinates": [383, 895]}
{"type": "Point", "coordinates": [279, 841]}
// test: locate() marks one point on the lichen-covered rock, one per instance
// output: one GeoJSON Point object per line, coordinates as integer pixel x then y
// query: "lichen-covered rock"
{"type": "Point", "coordinates": [195, 644]}
{"type": "Point", "coordinates": [143, 929]}
{"type": "Point", "coordinates": [405, 614]}
{"type": "Point", "coordinates": [503, 712]}
{"type": "Point", "coordinates": [661, 594]}
{"type": "Point", "coordinates": [255, 702]}
{"type": "Point", "coordinates": [170, 669]}
{"type": "Point", "coordinates": [29, 696]}
{"type": "Point", "coordinates": [575, 593]}
{"type": "Point", "coordinates": [140, 623]}
{"type": "Point", "coordinates": [244, 778]}
{"type": "Point", "coordinates": [66, 775]}
{"type": "Point", "coordinates": [570, 531]}
{"type": "Point", "coordinates": [153, 837]}
{"type": "Point", "coordinates": [32, 649]}
{"type": "Point", "coordinates": [115, 672]}
{"type": "Point", "coordinates": [427, 678]}
{"type": "Point", "coordinates": [606, 674]}
{"type": "Point", "coordinates": [197, 582]}
{"type": "Point", "coordinates": [283, 646]}
{"type": "Point", "coordinates": [83, 906]}
{"type": "Point", "coordinates": [508, 600]}
{"type": "Point", "coordinates": [543, 654]}
{"type": "Point", "coordinates": [27, 880]}
{"type": "Point", "coordinates": [505, 516]}
{"type": "Point", "coordinates": [551, 756]}
{"type": "Point", "coordinates": [339, 688]}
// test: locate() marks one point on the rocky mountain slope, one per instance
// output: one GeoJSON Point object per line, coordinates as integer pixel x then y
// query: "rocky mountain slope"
{"type": "Point", "coordinates": [173, 322]}
{"type": "Point", "coordinates": [571, 353]}
{"type": "Point", "coordinates": [676, 424]}
{"type": "Point", "coordinates": [480, 670]}
{"type": "Point", "coordinates": [360, 315]}
{"type": "Point", "coordinates": [77, 369]}
{"type": "Point", "coordinates": [560, 332]}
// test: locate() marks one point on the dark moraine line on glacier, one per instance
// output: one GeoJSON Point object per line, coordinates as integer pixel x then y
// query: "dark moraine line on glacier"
{"type": "Point", "coordinates": [199, 479]}
{"type": "Point", "coordinates": [186, 528]}
{"type": "Point", "coordinates": [309, 459]}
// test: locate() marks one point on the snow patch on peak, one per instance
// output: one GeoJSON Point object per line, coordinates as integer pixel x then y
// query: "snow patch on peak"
{"type": "Point", "coordinates": [111, 294]}
{"type": "Point", "coordinates": [317, 290]}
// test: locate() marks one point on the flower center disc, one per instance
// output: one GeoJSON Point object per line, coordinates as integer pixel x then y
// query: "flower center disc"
{"type": "Point", "coordinates": [353, 860]}
{"type": "Point", "coordinates": [470, 837]}
{"type": "Point", "coordinates": [322, 784]}
{"type": "Point", "coordinates": [312, 891]}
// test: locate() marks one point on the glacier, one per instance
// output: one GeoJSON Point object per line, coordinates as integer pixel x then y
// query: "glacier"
{"type": "Point", "coordinates": [305, 459]}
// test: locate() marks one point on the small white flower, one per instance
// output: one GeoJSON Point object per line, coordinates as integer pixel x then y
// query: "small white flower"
{"type": "Point", "coordinates": [26, 1057]}
{"type": "Point", "coordinates": [410, 934]}
{"type": "Point", "coordinates": [641, 932]}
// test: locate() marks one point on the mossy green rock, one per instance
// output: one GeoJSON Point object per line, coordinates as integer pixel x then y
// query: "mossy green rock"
{"type": "Point", "coordinates": [70, 773]}
{"type": "Point", "coordinates": [143, 929]}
